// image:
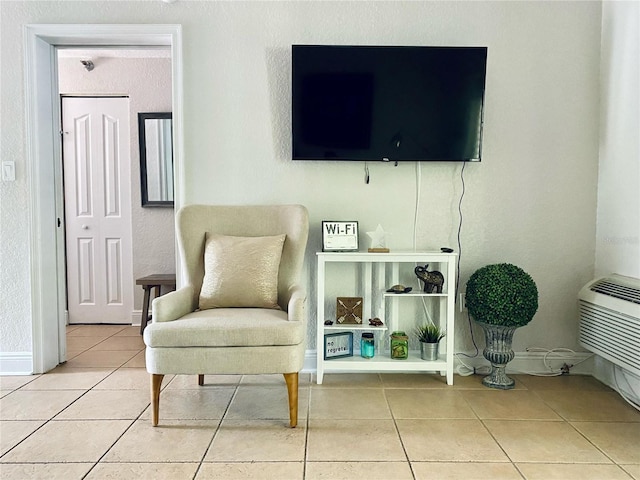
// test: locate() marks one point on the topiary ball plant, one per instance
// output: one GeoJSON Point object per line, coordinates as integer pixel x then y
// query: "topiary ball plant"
{"type": "Point", "coordinates": [502, 294]}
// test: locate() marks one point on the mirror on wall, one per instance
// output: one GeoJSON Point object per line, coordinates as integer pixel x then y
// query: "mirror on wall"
{"type": "Point", "coordinates": [156, 159]}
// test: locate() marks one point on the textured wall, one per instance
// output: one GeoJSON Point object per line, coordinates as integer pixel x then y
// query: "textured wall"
{"type": "Point", "coordinates": [147, 82]}
{"type": "Point", "coordinates": [618, 240]}
{"type": "Point", "coordinates": [532, 201]}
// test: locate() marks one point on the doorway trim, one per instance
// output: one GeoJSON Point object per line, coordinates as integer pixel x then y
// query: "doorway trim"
{"type": "Point", "coordinates": [44, 164]}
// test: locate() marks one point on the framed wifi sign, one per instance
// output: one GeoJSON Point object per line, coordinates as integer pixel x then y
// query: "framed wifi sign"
{"type": "Point", "coordinates": [339, 236]}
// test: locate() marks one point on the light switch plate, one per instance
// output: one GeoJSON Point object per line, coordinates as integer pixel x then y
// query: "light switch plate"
{"type": "Point", "coordinates": [8, 171]}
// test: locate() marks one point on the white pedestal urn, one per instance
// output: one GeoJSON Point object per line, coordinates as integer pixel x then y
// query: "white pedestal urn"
{"type": "Point", "coordinates": [498, 351]}
{"type": "Point", "coordinates": [500, 298]}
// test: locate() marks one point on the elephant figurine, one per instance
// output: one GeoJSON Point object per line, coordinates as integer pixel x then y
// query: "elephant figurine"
{"type": "Point", "coordinates": [431, 280]}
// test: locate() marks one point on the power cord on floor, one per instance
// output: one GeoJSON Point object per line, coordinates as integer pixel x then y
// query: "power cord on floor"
{"type": "Point", "coordinates": [555, 372]}
{"type": "Point", "coordinates": [466, 370]}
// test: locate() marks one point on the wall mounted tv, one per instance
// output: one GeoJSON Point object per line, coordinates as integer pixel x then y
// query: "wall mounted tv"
{"type": "Point", "coordinates": [387, 103]}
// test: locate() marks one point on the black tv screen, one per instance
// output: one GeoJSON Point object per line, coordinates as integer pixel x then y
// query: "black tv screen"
{"type": "Point", "coordinates": [387, 103]}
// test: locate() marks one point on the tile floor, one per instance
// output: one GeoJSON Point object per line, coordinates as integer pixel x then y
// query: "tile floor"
{"type": "Point", "coordinates": [89, 419]}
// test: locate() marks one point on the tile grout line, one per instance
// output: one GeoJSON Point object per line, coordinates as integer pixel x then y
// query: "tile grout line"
{"type": "Point", "coordinates": [112, 445]}
{"type": "Point", "coordinates": [52, 418]}
{"type": "Point", "coordinates": [124, 327]}
{"type": "Point", "coordinates": [217, 430]}
{"type": "Point", "coordinates": [25, 438]}
{"type": "Point", "coordinates": [48, 420]}
{"type": "Point", "coordinates": [593, 444]}
{"type": "Point", "coordinates": [492, 436]}
{"type": "Point", "coordinates": [537, 392]}
{"type": "Point", "coordinates": [511, 460]}
{"type": "Point", "coordinates": [395, 424]}
{"type": "Point", "coordinates": [120, 436]}
{"type": "Point", "coordinates": [305, 457]}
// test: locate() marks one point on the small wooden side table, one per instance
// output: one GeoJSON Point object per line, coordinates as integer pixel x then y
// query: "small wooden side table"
{"type": "Point", "coordinates": [153, 281]}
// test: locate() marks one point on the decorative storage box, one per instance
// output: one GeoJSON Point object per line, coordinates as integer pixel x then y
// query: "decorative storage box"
{"type": "Point", "coordinates": [349, 310]}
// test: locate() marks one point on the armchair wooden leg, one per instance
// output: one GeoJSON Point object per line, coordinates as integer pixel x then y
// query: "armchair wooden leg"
{"type": "Point", "coordinates": [292, 389]}
{"type": "Point", "coordinates": [156, 383]}
{"type": "Point", "coordinates": [200, 380]}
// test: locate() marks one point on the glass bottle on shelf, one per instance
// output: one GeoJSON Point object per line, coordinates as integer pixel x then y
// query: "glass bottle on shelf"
{"type": "Point", "coordinates": [399, 345]}
{"type": "Point", "coordinates": [367, 345]}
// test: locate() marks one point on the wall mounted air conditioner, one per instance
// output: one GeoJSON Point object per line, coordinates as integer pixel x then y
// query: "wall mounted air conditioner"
{"type": "Point", "coordinates": [610, 320]}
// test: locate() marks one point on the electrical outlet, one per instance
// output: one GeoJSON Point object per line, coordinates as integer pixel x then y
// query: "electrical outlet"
{"type": "Point", "coordinates": [461, 302]}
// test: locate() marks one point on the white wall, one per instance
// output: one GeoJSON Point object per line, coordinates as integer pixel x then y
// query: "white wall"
{"type": "Point", "coordinates": [618, 221]}
{"type": "Point", "coordinates": [147, 82]}
{"type": "Point", "coordinates": [532, 201]}
{"type": "Point", "coordinates": [618, 239]}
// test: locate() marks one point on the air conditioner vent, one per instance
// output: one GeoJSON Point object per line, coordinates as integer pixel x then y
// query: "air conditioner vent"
{"type": "Point", "coordinates": [610, 320]}
{"type": "Point", "coordinates": [623, 292]}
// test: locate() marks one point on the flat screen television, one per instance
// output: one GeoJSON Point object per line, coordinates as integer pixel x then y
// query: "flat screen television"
{"type": "Point", "coordinates": [387, 103]}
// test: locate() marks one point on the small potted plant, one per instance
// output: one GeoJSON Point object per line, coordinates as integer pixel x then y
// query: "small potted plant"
{"type": "Point", "coordinates": [500, 298]}
{"type": "Point", "coordinates": [429, 335]}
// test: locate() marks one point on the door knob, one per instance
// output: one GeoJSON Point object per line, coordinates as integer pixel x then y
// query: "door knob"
{"type": "Point", "coordinates": [85, 227]}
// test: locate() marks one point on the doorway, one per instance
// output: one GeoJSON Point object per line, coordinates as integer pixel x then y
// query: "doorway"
{"type": "Point", "coordinates": [144, 76]}
{"type": "Point", "coordinates": [44, 170]}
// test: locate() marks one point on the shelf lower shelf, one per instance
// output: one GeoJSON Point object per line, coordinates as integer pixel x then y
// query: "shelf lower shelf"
{"type": "Point", "coordinates": [354, 326]}
{"type": "Point", "coordinates": [385, 363]}
{"type": "Point", "coordinates": [413, 294]}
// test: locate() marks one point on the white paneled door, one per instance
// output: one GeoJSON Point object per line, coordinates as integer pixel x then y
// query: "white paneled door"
{"type": "Point", "coordinates": [97, 173]}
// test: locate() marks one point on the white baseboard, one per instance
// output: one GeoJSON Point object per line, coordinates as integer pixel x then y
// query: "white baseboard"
{"type": "Point", "coordinates": [16, 363]}
{"type": "Point", "coordinates": [542, 363]}
{"type": "Point", "coordinates": [21, 363]}
{"type": "Point", "coordinates": [532, 363]}
{"type": "Point", "coordinates": [136, 316]}
{"type": "Point", "coordinates": [309, 361]}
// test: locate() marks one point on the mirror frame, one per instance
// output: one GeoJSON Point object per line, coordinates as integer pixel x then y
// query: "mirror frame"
{"type": "Point", "coordinates": [142, 117]}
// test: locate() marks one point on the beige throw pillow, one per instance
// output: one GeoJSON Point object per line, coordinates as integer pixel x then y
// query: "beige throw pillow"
{"type": "Point", "coordinates": [241, 271]}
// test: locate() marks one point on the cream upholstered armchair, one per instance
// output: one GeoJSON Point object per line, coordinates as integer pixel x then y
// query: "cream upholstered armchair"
{"type": "Point", "coordinates": [241, 310]}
